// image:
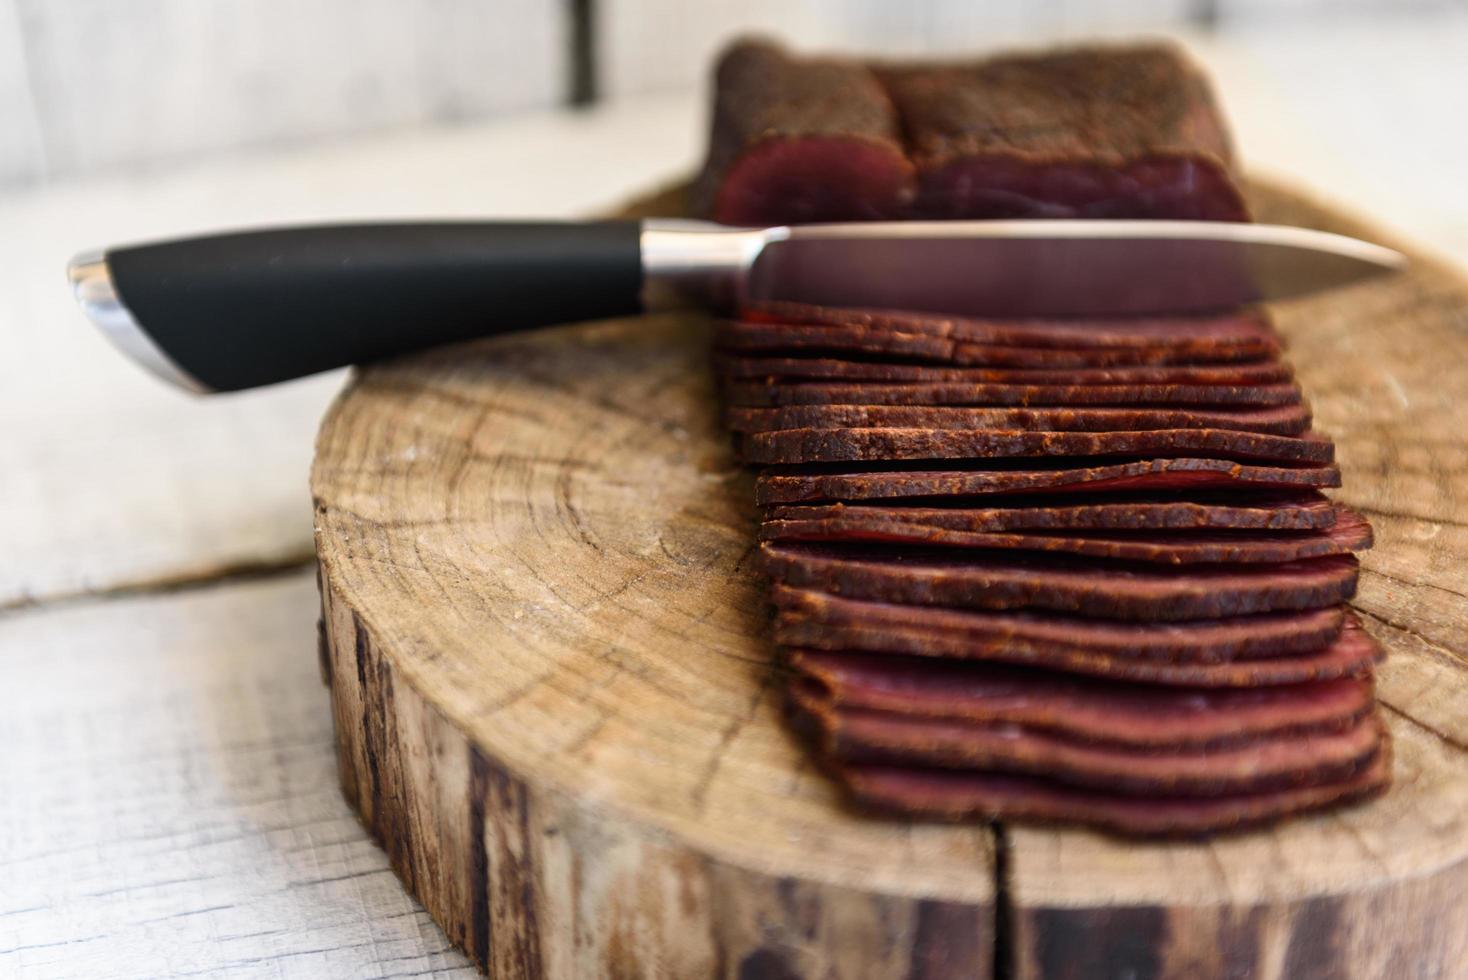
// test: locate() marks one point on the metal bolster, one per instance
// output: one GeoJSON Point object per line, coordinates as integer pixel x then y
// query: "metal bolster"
{"type": "Point", "coordinates": [91, 284]}
{"type": "Point", "coordinates": [686, 263]}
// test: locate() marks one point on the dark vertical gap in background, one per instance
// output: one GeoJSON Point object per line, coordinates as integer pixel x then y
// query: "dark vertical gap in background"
{"type": "Point", "coordinates": [582, 15]}
{"type": "Point", "coordinates": [1004, 951]}
{"type": "Point", "coordinates": [1204, 14]}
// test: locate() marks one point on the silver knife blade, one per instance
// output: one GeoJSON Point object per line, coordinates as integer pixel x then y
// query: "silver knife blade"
{"type": "Point", "coordinates": [1055, 268]}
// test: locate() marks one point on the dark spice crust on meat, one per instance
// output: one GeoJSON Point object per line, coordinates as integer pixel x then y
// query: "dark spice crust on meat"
{"type": "Point", "coordinates": [1108, 104]}
{"type": "Point", "coordinates": [1080, 132]}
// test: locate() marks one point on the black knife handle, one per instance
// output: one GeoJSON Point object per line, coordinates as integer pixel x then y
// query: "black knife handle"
{"type": "Point", "coordinates": [251, 308]}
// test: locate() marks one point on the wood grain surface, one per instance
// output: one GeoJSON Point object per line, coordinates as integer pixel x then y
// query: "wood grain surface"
{"type": "Point", "coordinates": [184, 818]}
{"type": "Point", "coordinates": [555, 705]}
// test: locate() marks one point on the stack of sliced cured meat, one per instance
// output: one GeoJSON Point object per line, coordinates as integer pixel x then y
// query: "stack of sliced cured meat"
{"type": "Point", "coordinates": [1072, 570]}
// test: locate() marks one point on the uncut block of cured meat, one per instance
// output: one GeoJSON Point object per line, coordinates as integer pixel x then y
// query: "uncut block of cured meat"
{"type": "Point", "coordinates": [1100, 132]}
{"type": "Point", "coordinates": [799, 140]}
{"type": "Point", "coordinates": [1081, 708]}
{"type": "Point", "coordinates": [1096, 132]}
{"type": "Point", "coordinates": [1148, 475]}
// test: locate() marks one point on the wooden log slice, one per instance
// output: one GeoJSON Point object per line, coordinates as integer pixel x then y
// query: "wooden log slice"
{"type": "Point", "coordinates": [556, 706]}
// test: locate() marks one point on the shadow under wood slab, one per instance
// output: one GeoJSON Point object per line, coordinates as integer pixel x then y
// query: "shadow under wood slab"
{"type": "Point", "coordinates": [555, 706]}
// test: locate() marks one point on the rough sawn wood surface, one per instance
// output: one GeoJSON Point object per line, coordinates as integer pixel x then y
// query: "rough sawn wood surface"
{"type": "Point", "coordinates": [555, 707]}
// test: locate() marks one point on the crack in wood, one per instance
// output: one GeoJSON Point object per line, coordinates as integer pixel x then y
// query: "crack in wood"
{"type": "Point", "coordinates": [1404, 515]}
{"type": "Point", "coordinates": [1447, 651]}
{"type": "Point", "coordinates": [1448, 740]}
{"type": "Point", "coordinates": [726, 738]}
{"type": "Point", "coordinates": [183, 581]}
{"type": "Point", "coordinates": [1371, 853]}
{"type": "Point", "coordinates": [1219, 869]}
{"type": "Point", "coordinates": [1416, 584]}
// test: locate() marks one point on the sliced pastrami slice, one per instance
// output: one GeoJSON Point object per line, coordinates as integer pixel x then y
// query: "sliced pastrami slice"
{"type": "Point", "coordinates": [868, 341]}
{"type": "Point", "coordinates": [737, 336]}
{"type": "Point", "coordinates": [857, 735]}
{"type": "Point", "coordinates": [1148, 476]}
{"type": "Point", "coordinates": [770, 369]}
{"type": "Point", "coordinates": [1247, 326]}
{"type": "Point", "coordinates": [951, 795]}
{"type": "Point", "coordinates": [747, 395]}
{"type": "Point", "coordinates": [1353, 654]}
{"type": "Point", "coordinates": [1081, 708]}
{"type": "Point", "coordinates": [1305, 511]}
{"type": "Point", "coordinates": [865, 445]}
{"type": "Point", "coordinates": [804, 615]}
{"type": "Point", "coordinates": [1349, 533]}
{"type": "Point", "coordinates": [1086, 587]}
{"type": "Point", "coordinates": [801, 140]}
{"type": "Point", "coordinates": [1285, 420]}
{"type": "Point", "coordinates": [1088, 132]}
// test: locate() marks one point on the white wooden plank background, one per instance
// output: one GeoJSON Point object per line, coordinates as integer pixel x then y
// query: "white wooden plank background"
{"type": "Point", "coordinates": [88, 86]}
{"type": "Point", "coordinates": [184, 815]}
{"type": "Point", "coordinates": [168, 803]}
{"type": "Point", "coordinates": [21, 155]}
{"type": "Point", "coordinates": [115, 83]}
{"type": "Point", "coordinates": [653, 45]}
{"type": "Point", "coordinates": [1371, 110]}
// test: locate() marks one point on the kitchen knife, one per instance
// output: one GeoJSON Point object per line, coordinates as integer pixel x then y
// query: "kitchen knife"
{"type": "Point", "coordinates": [240, 310]}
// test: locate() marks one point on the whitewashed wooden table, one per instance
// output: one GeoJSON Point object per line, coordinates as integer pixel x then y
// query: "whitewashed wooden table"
{"type": "Point", "coordinates": [168, 796]}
